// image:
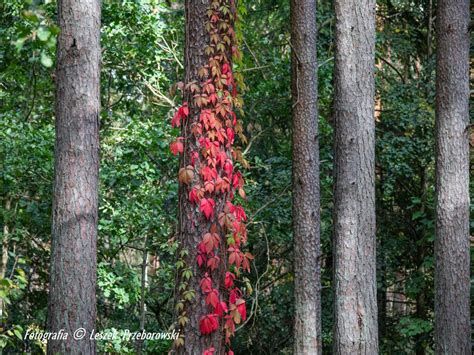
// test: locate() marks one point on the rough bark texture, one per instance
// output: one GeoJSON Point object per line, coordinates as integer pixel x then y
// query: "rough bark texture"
{"type": "Point", "coordinates": [72, 298]}
{"type": "Point", "coordinates": [306, 219]}
{"type": "Point", "coordinates": [4, 260]}
{"type": "Point", "coordinates": [355, 323]}
{"type": "Point", "coordinates": [452, 324]}
{"type": "Point", "coordinates": [193, 224]}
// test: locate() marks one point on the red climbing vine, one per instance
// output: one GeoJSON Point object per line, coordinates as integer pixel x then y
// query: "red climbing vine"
{"type": "Point", "coordinates": [210, 177]}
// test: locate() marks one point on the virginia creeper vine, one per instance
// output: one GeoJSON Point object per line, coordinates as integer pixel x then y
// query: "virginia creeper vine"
{"type": "Point", "coordinates": [209, 177]}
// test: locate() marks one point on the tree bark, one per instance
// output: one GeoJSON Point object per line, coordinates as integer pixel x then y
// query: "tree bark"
{"type": "Point", "coordinates": [355, 302]}
{"type": "Point", "coordinates": [4, 260]}
{"type": "Point", "coordinates": [143, 287]}
{"type": "Point", "coordinates": [306, 217]}
{"type": "Point", "coordinates": [193, 224]}
{"type": "Point", "coordinates": [72, 297]}
{"type": "Point", "coordinates": [452, 279]}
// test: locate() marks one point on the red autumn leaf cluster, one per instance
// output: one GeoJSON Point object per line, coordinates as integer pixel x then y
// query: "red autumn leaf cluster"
{"type": "Point", "coordinates": [177, 146]}
{"type": "Point", "coordinates": [180, 114]}
{"type": "Point", "coordinates": [207, 207]}
{"type": "Point", "coordinates": [208, 324]}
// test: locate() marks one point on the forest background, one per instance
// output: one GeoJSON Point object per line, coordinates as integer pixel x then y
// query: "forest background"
{"type": "Point", "coordinates": [142, 50]}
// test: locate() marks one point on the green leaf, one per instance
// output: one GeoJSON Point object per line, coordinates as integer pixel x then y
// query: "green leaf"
{"type": "Point", "coordinates": [46, 60]}
{"type": "Point", "coordinates": [43, 33]}
{"type": "Point", "coordinates": [18, 334]}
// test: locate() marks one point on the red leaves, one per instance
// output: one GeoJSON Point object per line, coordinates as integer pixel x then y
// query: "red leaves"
{"type": "Point", "coordinates": [237, 211]}
{"type": "Point", "coordinates": [209, 186]}
{"type": "Point", "coordinates": [229, 326]}
{"type": "Point", "coordinates": [208, 324]}
{"type": "Point", "coordinates": [207, 207]}
{"type": "Point", "coordinates": [201, 259]}
{"type": "Point", "coordinates": [176, 120]}
{"type": "Point", "coordinates": [209, 175]}
{"type": "Point", "coordinates": [229, 279]}
{"type": "Point", "coordinates": [221, 309]}
{"type": "Point", "coordinates": [241, 308]}
{"type": "Point", "coordinates": [196, 129]}
{"type": "Point", "coordinates": [184, 110]}
{"type": "Point", "coordinates": [228, 167]}
{"type": "Point", "coordinates": [230, 135]}
{"type": "Point", "coordinates": [240, 213]}
{"type": "Point", "coordinates": [222, 108]}
{"type": "Point", "coordinates": [208, 87]}
{"type": "Point", "coordinates": [194, 157]}
{"type": "Point", "coordinates": [212, 298]}
{"type": "Point", "coordinates": [213, 98]}
{"type": "Point", "coordinates": [220, 135]}
{"type": "Point", "coordinates": [177, 146]}
{"type": "Point", "coordinates": [207, 118]}
{"type": "Point", "coordinates": [225, 219]}
{"type": "Point", "coordinates": [234, 117]}
{"type": "Point", "coordinates": [221, 157]}
{"type": "Point", "coordinates": [211, 241]}
{"type": "Point", "coordinates": [222, 185]}
{"type": "Point", "coordinates": [213, 262]}
{"type": "Point", "coordinates": [195, 194]}
{"type": "Point", "coordinates": [233, 295]}
{"type": "Point", "coordinates": [240, 232]}
{"type": "Point", "coordinates": [206, 283]}
{"type": "Point", "coordinates": [209, 147]}
{"type": "Point", "coordinates": [237, 308]}
{"type": "Point", "coordinates": [246, 261]}
{"type": "Point", "coordinates": [180, 114]}
{"type": "Point", "coordinates": [235, 256]}
{"type": "Point", "coordinates": [225, 68]}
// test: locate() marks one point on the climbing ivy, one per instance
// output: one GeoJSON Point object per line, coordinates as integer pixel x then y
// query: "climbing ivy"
{"type": "Point", "coordinates": [215, 128]}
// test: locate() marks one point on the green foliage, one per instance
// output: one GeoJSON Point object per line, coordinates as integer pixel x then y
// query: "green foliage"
{"type": "Point", "coordinates": [138, 196]}
{"type": "Point", "coordinates": [142, 43]}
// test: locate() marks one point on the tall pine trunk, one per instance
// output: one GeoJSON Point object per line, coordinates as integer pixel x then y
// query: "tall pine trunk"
{"type": "Point", "coordinates": [355, 302]}
{"type": "Point", "coordinates": [193, 224]}
{"type": "Point", "coordinates": [452, 280]}
{"type": "Point", "coordinates": [72, 297]}
{"type": "Point", "coordinates": [306, 219]}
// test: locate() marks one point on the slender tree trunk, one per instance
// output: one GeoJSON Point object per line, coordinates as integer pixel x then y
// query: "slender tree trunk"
{"type": "Point", "coordinates": [430, 28]}
{"type": "Point", "coordinates": [452, 280]}
{"type": "Point", "coordinates": [355, 326]}
{"type": "Point", "coordinates": [144, 285]}
{"type": "Point", "coordinates": [5, 239]}
{"type": "Point", "coordinates": [306, 220]}
{"type": "Point", "coordinates": [4, 260]}
{"type": "Point", "coordinates": [72, 297]}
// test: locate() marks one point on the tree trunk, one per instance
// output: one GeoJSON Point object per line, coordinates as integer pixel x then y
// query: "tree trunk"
{"type": "Point", "coordinates": [306, 220]}
{"type": "Point", "coordinates": [355, 326]}
{"type": "Point", "coordinates": [193, 224]}
{"type": "Point", "coordinates": [143, 287]}
{"type": "Point", "coordinates": [72, 297]}
{"type": "Point", "coordinates": [4, 260]}
{"type": "Point", "coordinates": [452, 283]}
